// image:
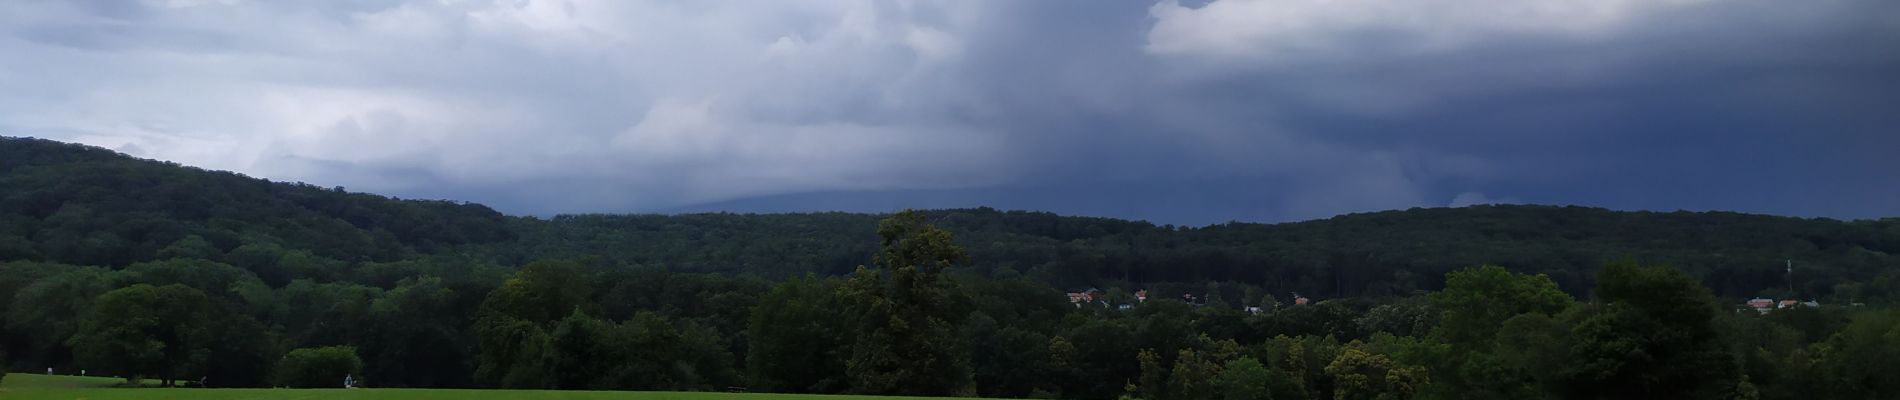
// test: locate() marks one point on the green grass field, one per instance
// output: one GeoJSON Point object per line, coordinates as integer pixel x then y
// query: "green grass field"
{"type": "Point", "coordinates": [18, 386]}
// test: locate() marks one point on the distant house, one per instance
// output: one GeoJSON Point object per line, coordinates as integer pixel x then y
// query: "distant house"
{"type": "Point", "coordinates": [1125, 307]}
{"type": "Point", "coordinates": [1141, 295]}
{"type": "Point", "coordinates": [1789, 303]}
{"type": "Point", "coordinates": [1078, 297]}
{"type": "Point", "coordinates": [1300, 300]}
{"type": "Point", "coordinates": [1085, 296]}
{"type": "Point", "coordinates": [1761, 305]}
{"type": "Point", "coordinates": [1255, 310]}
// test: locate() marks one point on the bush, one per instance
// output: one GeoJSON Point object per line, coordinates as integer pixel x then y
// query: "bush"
{"type": "Point", "coordinates": [321, 367]}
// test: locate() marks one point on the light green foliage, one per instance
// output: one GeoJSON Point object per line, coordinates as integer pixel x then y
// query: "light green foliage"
{"type": "Point", "coordinates": [1363, 375]}
{"type": "Point", "coordinates": [191, 247]}
{"type": "Point", "coordinates": [1475, 306]}
{"type": "Point", "coordinates": [1476, 301]}
{"type": "Point", "coordinates": [1192, 376]}
{"type": "Point", "coordinates": [1409, 317]}
{"type": "Point", "coordinates": [1861, 361]}
{"type": "Point", "coordinates": [1243, 379]}
{"type": "Point", "coordinates": [1153, 383]}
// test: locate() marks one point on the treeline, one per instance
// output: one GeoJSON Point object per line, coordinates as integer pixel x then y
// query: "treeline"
{"type": "Point", "coordinates": [1374, 254]}
{"type": "Point", "coordinates": [81, 205]}
{"type": "Point", "coordinates": [913, 323]}
{"type": "Point", "coordinates": [139, 268]}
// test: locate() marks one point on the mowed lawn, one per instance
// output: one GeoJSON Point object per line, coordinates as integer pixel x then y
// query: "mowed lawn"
{"type": "Point", "coordinates": [18, 386]}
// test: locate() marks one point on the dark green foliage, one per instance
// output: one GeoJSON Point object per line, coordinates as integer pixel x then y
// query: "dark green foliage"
{"type": "Point", "coordinates": [321, 367]}
{"type": "Point", "coordinates": [90, 206]}
{"type": "Point", "coordinates": [524, 345]}
{"type": "Point", "coordinates": [906, 342]}
{"type": "Point", "coordinates": [1860, 361]}
{"type": "Point", "coordinates": [141, 268]}
{"type": "Point", "coordinates": [1652, 337]}
{"type": "Point", "coordinates": [145, 331]}
{"type": "Point", "coordinates": [796, 338]}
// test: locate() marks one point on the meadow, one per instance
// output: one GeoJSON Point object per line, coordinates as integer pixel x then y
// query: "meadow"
{"type": "Point", "coordinates": [19, 386]}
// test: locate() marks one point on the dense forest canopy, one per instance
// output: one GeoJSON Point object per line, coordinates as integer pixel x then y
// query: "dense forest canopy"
{"type": "Point", "coordinates": [141, 268]}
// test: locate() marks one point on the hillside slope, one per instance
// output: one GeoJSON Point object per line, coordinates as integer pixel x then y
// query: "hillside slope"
{"type": "Point", "coordinates": [82, 205]}
{"type": "Point", "coordinates": [90, 206]}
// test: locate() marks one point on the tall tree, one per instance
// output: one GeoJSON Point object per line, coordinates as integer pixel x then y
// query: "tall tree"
{"type": "Point", "coordinates": [1363, 375]}
{"type": "Point", "coordinates": [1651, 337]}
{"type": "Point", "coordinates": [796, 338]}
{"type": "Point", "coordinates": [1475, 304]}
{"type": "Point", "coordinates": [513, 323]}
{"type": "Point", "coordinates": [906, 344]}
{"type": "Point", "coordinates": [145, 331]}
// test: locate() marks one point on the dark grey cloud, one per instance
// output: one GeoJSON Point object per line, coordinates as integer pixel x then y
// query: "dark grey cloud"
{"type": "Point", "coordinates": [1180, 112]}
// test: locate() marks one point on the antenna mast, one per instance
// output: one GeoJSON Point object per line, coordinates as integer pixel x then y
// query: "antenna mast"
{"type": "Point", "coordinates": [1791, 278]}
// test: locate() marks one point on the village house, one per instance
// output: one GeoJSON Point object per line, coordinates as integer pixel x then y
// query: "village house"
{"type": "Point", "coordinates": [1761, 305]}
{"type": "Point", "coordinates": [1086, 296]}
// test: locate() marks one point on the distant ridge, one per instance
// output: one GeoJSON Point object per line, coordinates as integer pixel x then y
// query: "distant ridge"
{"type": "Point", "coordinates": [85, 205]}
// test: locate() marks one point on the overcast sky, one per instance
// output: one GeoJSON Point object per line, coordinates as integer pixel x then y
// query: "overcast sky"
{"type": "Point", "coordinates": [1177, 112]}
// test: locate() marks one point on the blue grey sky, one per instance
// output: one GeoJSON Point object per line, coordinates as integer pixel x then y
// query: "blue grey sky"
{"type": "Point", "coordinates": [1176, 112]}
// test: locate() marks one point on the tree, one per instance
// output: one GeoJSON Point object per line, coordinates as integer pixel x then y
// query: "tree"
{"type": "Point", "coordinates": [906, 343]}
{"type": "Point", "coordinates": [1243, 378]}
{"type": "Point", "coordinates": [47, 312]}
{"type": "Point", "coordinates": [417, 336]}
{"type": "Point", "coordinates": [1652, 337]}
{"type": "Point", "coordinates": [321, 367]}
{"type": "Point", "coordinates": [511, 326]}
{"type": "Point", "coordinates": [796, 344]}
{"type": "Point", "coordinates": [1008, 362]}
{"type": "Point", "coordinates": [580, 350]}
{"type": "Point", "coordinates": [144, 330]}
{"type": "Point", "coordinates": [1859, 362]}
{"type": "Point", "coordinates": [191, 247]}
{"type": "Point", "coordinates": [241, 352]}
{"type": "Point", "coordinates": [1154, 378]}
{"type": "Point", "coordinates": [1476, 301]}
{"type": "Point", "coordinates": [1372, 376]}
{"type": "Point", "coordinates": [1192, 376]}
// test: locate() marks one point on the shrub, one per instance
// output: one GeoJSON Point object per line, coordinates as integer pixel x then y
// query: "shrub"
{"type": "Point", "coordinates": [321, 367]}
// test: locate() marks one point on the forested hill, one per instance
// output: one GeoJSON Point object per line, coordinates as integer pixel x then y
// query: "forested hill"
{"type": "Point", "coordinates": [83, 205]}
{"type": "Point", "coordinates": [1383, 253]}
{"type": "Point", "coordinates": [90, 206]}
{"type": "Point", "coordinates": [143, 269]}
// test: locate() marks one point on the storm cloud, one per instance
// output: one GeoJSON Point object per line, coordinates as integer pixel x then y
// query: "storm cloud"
{"type": "Point", "coordinates": [1178, 112]}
